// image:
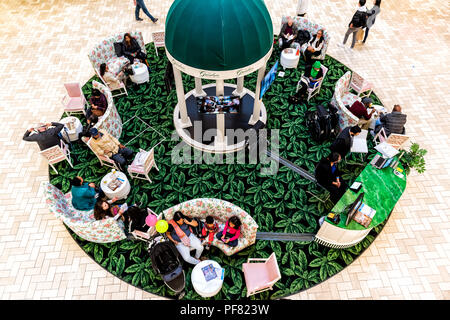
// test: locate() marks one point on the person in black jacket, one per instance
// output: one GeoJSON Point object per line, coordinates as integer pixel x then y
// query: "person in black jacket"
{"type": "Point", "coordinates": [359, 21]}
{"type": "Point", "coordinates": [132, 50]}
{"type": "Point", "coordinates": [134, 219]}
{"type": "Point", "coordinates": [44, 136]}
{"type": "Point", "coordinates": [344, 140]}
{"type": "Point", "coordinates": [328, 176]}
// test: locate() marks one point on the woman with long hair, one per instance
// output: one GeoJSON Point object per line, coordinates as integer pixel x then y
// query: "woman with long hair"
{"type": "Point", "coordinates": [132, 50]}
{"type": "Point", "coordinates": [114, 82]}
{"type": "Point", "coordinates": [314, 47]}
{"type": "Point", "coordinates": [372, 13]}
{"type": "Point", "coordinates": [103, 209]}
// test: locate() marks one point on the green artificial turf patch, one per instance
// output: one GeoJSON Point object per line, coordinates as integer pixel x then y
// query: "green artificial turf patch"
{"type": "Point", "coordinates": [277, 203]}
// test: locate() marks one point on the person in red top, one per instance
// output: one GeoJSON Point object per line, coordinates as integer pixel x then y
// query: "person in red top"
{"type": "Point", "coordinates": [209, 230]}
{"type": "Point", "coordinates": [231, 232]}
{"type": "Point", "coordinates": [360, 110]}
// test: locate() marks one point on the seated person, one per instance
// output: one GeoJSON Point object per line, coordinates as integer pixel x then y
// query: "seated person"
{"type": "Point", "coordinates": [98, 102]}
{"type": "Point", "coordinates": [287, 34]}
{"type": "Point", "coordinates": [134, 219]}
{"type": "Point", "coordinates": [393, 122]}
{"type": "Point", "coordinates": [181, 235]}
{"type": "Point", "coordinates": [328, 176]}
{"type": "Point", "coordinates": [114, 82]}
{"type": "Point", "coordinates": [209, 229]}
{"type": "Point", "coordinates": [314, 48]}
{"type": "Point", "coordinates": [102, 143]}
{"type": "Point", "coordinates": [103, 208]}
{"type": "Point", "coordinates": [45, 137]}
{"type": "Point", "coordinates": [313, 74]}
{"type": "Point", "coordinates": [132, 50]}
{"type": "Point", "coordinates": [91, 122]}
{"type": "Point", "coordinates": [344, 140]}
{"type": "Point", "coordinates": [359, 109]}
{"type": "Point", "coordinates": [230, 234]}
{"type": "Point", "coordinates": [84, 195]}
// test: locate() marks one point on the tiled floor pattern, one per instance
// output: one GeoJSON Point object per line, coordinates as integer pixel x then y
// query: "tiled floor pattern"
{"type": "Point", "coordinates": [46, 44]}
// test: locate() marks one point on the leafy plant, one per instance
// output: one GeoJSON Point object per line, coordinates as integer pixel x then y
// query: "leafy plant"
{"type": "Point", "coordinates": [414, 159]}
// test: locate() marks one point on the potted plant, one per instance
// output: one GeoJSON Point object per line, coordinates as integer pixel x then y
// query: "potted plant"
{"type": "Point", "coordinates": [414, 158]}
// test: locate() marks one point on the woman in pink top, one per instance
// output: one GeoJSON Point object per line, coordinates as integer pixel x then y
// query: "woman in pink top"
{"type": "Point", "coordinates": [231, 232]}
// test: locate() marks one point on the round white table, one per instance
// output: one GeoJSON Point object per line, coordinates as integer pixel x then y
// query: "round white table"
{"type": "Point", "coordinates": [140, 73]}
{"type": "Point", "coordinates": [73, 126]}
{"type": "Point", "coordinates": [201, 286]}
{"type": "Point", "coordinates": [289, 58]}
{"type": "Point", "coordinates": [121, 192]}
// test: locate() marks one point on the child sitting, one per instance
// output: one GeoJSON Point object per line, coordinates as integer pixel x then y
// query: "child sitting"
{"type": "Point", "coordinates": [231, 232]}
{"type": "Point", "coordinates": [209, 229]}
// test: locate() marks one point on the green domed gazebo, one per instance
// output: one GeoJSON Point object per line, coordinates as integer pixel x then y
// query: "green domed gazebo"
{"type": "Point", "coordinates": [218, 40]}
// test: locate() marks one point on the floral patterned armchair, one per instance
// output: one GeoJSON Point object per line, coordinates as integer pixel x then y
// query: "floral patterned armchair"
{"type": "Point", "coordinates": [343, 97]}
{"type": "Point", "coordinates": [221, 210]}
{"type": "Point", "coordinates": [110, 121]}
{"type": "Point", "coordinates": [82, 223]}
{"type": "Point", "coordinates": [104, 52]}
{"type": "Point", "coordinates": [304, 24]}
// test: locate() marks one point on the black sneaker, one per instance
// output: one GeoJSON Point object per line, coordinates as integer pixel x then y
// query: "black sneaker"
{"type": "Point", "coordinates": [156, 19]}
{"type": "Point", "coordinates": [139, 19]}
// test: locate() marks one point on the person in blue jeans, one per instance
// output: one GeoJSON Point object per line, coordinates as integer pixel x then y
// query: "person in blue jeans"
{"type": "Point", "coordinates": [140, 4]}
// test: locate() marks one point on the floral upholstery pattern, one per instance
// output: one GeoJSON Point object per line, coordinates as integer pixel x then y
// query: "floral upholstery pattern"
{"type": "Point", "coordinates": [304, 24]}
{"type": "Point", "coordinates": [104, 52]}
{"type": "Point", "coordinates": [221, 210]}
{"type": "Point", "coordinates": [110, 121]}
{"type": "Point", "coordinates": [343, 97]}
{"type": "Point", "coordinates": [82, 223]}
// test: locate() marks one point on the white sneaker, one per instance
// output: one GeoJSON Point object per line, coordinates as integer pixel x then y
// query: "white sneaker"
{"type": "Point", "coordinates": [350, 50]}
{"type": "Point", "coordinates": [340, 45]}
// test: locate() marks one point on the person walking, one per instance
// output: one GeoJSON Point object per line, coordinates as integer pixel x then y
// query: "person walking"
{"type": "Point", "coordinates": [358, 21]}
{"type": "Point", "coordinates": [141, 5]}
{"type": "Point", "coordinates": [372, 13]}
{"type": "Point", "coordinates": [302, 7]}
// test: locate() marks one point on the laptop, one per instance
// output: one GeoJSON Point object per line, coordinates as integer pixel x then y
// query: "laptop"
{"type": "Point", "coordinates": [380, 163]}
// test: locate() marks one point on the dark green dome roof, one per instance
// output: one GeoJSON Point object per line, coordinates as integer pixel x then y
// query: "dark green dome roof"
{"type": "Point", "coordinates": [218, 35]}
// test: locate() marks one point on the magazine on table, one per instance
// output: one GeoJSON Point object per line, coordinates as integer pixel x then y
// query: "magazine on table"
{"type": "Point", "coordinates": [114, 184]}
{"type": "Point", "coordinates": [364, 215]}
{"type": "Point", "coordinates": [210, 272]}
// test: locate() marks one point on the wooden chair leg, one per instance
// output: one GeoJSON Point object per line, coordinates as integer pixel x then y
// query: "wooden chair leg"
{"type": "Point", "coordinates": [54, 168]}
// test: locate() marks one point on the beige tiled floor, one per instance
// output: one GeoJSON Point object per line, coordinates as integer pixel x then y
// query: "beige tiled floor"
{"type": "Point", "coordinates": [45, 45]}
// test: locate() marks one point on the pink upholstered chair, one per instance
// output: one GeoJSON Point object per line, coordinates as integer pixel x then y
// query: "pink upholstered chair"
{"type": "Point", "coordinates": [158, 40]}
{"type": "Point", "coordinates": [362, 87]}
{"type": "Point", "coordinates": [142, 164]}
{"type": "Point", "coordinates": [57, 154]}
{"type": "Point", "coordinates": [74, 102]}
{"type": "Point", "coordinates": [104, 160]}
{"type": "Point", "coordinates": [261, 276]}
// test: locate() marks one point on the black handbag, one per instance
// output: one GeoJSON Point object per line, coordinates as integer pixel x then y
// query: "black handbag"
{"type": "Point", "coordinates": [118, 48]}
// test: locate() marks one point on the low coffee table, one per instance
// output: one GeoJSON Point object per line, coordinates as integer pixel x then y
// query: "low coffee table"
{"type": "Point", "coordinates": [140, 73]}
{"type": "Point", "coordinates": [121, 192]}
{"type": "Point", "coordinates": [201, 286]}
{"type": "Point", "coordinates": [73, 126]}
{"type": "Point", "coordinates": [289, 58]}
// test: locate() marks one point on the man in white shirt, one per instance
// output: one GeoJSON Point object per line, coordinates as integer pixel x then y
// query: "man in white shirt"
{"type": "Point", "coordinates": [302, 7]}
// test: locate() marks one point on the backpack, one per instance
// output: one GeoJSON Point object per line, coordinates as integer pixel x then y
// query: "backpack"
{"type": "Point", "coordinates": [321, 123]}
{"type": "Point", "coordinates": [334, 120]}
{"type": "Point", "coordinates": [359, 19]}
{"type": "Point", "coordinates": [303, 36]}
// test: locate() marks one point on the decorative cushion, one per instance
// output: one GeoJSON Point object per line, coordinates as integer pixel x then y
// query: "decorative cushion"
{"type": "Point", "coordinates": [80, 222]}
{"type": "Point", "coordinates": [221, 210]}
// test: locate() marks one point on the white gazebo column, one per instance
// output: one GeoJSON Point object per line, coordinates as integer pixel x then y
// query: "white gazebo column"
{"type": "Point", "coordinates": [219, 140]}
{"type": "Point", "coordinates": [240, 87]}
{"type": "Point", "coordinates": [198, 88]}
{"type": "Point", "coordinates": [219, 87]}
{"type": "Point", "coordinates": [257, 105]}
{"type": "Point", "coordinates": [184, 121]}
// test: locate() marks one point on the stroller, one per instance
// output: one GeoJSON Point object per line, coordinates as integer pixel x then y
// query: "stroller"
{"type": "Point", "coordinates": [167, 261]}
